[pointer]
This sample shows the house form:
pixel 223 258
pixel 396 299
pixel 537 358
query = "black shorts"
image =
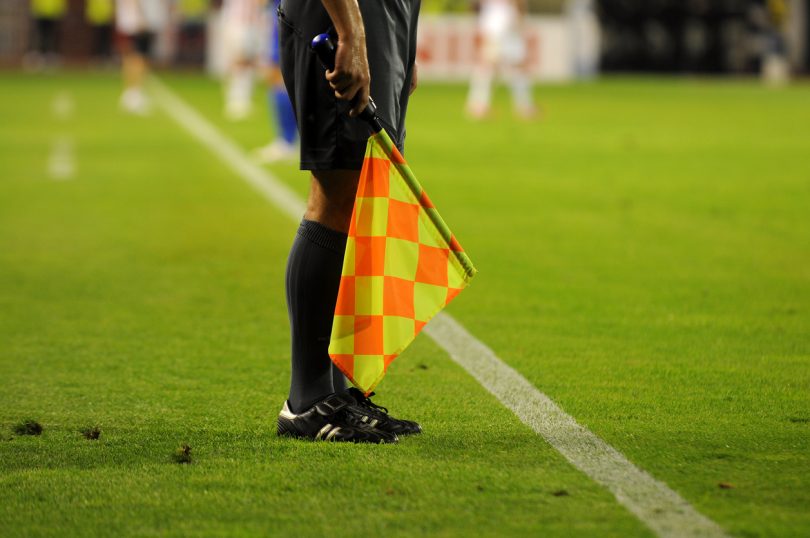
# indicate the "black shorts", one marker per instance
pixel 47 37
pixel 329 138
pixel 142 42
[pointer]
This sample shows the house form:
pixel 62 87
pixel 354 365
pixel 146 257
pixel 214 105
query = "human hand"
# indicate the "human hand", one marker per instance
pixel 350 79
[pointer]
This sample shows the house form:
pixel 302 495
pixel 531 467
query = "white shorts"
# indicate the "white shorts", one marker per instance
pixel 135 16
pixel 506 48
pixel 241 41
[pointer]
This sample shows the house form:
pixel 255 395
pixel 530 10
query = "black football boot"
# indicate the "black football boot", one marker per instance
pixel 377 416
pixel 334 418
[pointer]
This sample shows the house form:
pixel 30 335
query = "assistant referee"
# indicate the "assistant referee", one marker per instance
pixel 376 52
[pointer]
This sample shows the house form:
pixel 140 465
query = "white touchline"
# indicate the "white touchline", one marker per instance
pixel 63 106
pixel 652 501
pixel 279 194
pixel 62 162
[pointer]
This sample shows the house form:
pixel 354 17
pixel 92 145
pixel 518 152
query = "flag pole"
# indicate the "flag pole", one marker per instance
pixel 388 146
pixel 325 49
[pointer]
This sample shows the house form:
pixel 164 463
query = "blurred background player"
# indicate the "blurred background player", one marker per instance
pixel 241 25
pixel 99 15
pixel 775 65
pixel 283 147
pixel 191 32
pixel 137 22
pixel 47 15
pixel 502 52
pixel 583 25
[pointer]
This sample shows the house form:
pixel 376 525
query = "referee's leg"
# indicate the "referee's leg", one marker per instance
pixel 313 275
pixel 333 146
pixel 331 198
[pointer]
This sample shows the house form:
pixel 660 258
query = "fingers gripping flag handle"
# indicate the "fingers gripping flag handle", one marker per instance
pixel 325 49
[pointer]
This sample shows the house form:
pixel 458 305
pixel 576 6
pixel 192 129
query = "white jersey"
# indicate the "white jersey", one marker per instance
pixel 242 29
pixel 242 12
pixel 499 17
pixel 500 26
pixel 134 16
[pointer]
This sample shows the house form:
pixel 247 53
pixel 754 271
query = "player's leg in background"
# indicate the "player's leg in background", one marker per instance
pixel 516 72
pixel 239 90
pixel 282 118
pixel 34 59
pixel 102 43
pixel 134 69
pixel 49 46
pixel 279 106
pixel 46 21
pixel 44 42
pixel 479 96
pixel 241 39
pixel 521 87
pixel 99 15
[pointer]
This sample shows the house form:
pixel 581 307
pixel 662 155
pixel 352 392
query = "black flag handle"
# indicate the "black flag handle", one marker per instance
pixel 325 49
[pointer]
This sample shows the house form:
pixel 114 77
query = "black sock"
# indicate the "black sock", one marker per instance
pixel 313 280
pixel 339 381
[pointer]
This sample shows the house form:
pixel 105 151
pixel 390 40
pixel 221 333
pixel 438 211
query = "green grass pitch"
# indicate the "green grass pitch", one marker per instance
pixel 644 257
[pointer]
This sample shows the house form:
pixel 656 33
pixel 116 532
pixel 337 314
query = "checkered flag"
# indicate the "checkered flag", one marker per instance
pixel 402 266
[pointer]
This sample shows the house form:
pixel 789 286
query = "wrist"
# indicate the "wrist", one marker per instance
pixel 352 38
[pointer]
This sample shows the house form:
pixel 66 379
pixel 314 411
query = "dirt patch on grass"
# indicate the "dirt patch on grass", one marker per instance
pixel 91 433
pixel 182 454
pixel 28 427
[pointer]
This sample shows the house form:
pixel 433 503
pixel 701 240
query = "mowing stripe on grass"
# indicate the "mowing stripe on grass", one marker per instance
pixel 62 106
pixel 62 160
pixel 651 501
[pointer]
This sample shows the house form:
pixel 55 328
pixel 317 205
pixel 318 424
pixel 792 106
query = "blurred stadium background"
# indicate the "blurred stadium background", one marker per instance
pixel 644 253
pixel 695 36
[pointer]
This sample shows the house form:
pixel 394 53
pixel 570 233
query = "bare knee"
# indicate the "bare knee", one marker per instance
pixel 331 197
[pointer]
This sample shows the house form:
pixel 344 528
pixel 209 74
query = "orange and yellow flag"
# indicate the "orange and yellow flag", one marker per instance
pixel 402 266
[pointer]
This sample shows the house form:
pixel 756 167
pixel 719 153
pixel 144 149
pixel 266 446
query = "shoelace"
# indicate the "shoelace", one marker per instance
pixel 365 401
